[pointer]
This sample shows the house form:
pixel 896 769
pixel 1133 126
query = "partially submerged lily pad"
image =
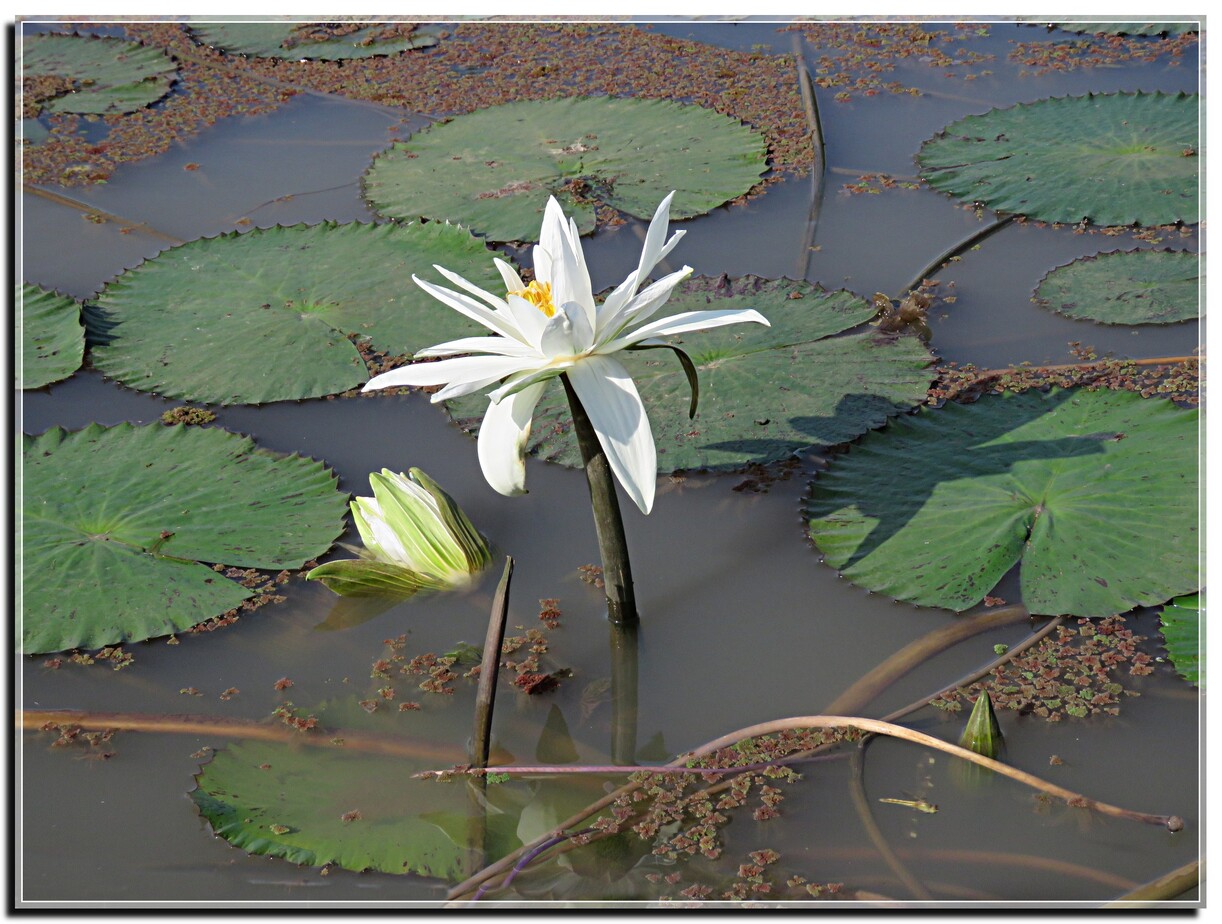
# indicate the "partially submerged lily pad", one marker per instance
pixel 1112 159
pixel 52 336
pixel 323 41
pixel 1184 635
pixel 495 168
pixel 271 315
pixel 1093 494
pixel 341 805
pixel 1126 287
pixel 765 392
pixel 121 523
pixel 1130 28
pixel 101 75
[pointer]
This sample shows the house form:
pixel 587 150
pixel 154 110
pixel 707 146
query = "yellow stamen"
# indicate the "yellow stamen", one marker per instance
pixel 538 294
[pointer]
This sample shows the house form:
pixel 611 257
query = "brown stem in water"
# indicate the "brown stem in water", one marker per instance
pixel 96 213
pixel 489 668
pixel 956 249
pixel 624 686
pixel 36 719
pixel 608 523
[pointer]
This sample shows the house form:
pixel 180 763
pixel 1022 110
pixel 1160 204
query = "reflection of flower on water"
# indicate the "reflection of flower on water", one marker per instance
pixel 416 538
pixel 553 326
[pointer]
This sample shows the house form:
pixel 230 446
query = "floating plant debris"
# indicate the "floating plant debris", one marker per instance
pixel 92 74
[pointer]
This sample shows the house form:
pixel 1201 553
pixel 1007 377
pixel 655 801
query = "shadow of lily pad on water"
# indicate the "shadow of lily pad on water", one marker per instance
pixel 52 336
pixel 765 392
pixel 100 75
pixel 1094 493
pixel 1112 159
pixel 1125 287
pixel 494 169
pixel 121 523
pixel 270 315
pixel 323 41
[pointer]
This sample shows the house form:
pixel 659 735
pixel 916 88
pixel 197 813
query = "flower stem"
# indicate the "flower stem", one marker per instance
pixel 612 544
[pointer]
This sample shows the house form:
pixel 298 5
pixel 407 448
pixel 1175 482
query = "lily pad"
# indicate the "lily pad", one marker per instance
pixel 1184 635
pixel 1126 287
pixel 1113 159
pixel 52 336
pixel 1093 494
pixel 495 168
pixel 270 315
pixel 343 806
pixel 323 41
pixel 118 522
pixel 765 392
pixel 108 75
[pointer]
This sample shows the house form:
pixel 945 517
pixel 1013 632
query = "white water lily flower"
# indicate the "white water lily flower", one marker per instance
pixel 553 326
pixel 416 538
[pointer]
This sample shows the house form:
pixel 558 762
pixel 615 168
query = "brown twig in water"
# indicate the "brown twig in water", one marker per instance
pixel 490 668
pixel 857 788
pixel 1174 883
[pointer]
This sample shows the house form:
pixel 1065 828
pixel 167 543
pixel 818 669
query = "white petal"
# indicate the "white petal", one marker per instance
pixel 502 346
pixel 523 380
pixel 645 304
pixel 610 398
pixel 496 304
pixel 528 319
pixel 459 370
pixel 557 336
pixel 513 282
pixel 465 305
pixel 582 332
pixel 502 440
pixel 684 323
pixel 552 236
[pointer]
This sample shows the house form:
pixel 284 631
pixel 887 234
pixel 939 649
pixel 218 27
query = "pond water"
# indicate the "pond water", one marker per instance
pixel 741 622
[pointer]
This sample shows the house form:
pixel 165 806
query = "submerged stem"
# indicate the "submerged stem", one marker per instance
pixel 608 523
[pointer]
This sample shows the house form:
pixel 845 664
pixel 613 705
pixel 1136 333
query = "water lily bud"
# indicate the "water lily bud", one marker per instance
pixel 983 734
pixel 416 538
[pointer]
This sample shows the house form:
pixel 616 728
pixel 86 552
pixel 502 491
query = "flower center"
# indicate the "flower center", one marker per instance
pixel 538 294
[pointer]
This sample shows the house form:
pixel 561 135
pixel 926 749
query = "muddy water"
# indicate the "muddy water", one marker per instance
pixel 741 623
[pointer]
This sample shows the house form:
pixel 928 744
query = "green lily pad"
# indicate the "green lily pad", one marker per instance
pixel 765 392
pixel 329 41
pixel 1114 159
pixel 118 520
pixel 109 75
pixel 52 336
pixel 1126 287
pixel 1184 635
pixel 270 315
pixel 1130 28
pixel 495 168
pixel 338 805
pixel 1094 493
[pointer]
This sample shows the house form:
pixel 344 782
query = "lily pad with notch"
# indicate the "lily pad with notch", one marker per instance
pixel 765 392
pixel 121 524
pixel 1092 494
pixel 494 168
pixel 1111 159
pixel 271 314
pixel 52 336
pixel 1126 287
pixel 99 75
pixel 323 41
